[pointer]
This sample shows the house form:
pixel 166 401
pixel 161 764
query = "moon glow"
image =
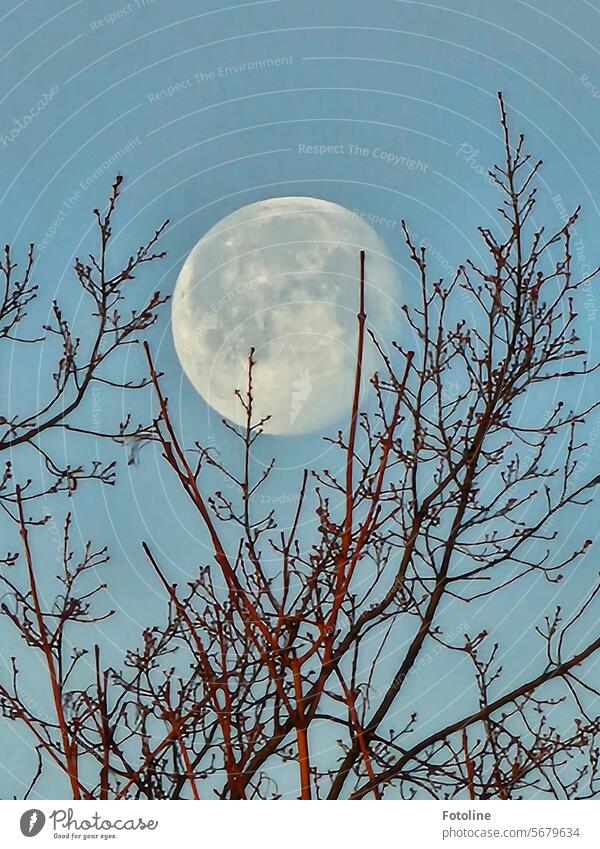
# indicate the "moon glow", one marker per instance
pixel 281 276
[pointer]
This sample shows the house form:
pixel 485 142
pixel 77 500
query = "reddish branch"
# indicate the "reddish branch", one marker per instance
pixel 451 489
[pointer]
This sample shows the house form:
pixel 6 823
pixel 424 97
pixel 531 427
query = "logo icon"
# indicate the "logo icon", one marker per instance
pixel 32 822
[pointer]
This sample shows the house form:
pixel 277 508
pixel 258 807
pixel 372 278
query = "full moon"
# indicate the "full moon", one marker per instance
pixel 281 276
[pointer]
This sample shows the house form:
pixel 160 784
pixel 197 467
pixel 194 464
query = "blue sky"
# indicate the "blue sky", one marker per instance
pixel 206 107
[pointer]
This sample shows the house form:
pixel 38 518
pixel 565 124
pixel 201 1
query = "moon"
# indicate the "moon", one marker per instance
pixel 281 276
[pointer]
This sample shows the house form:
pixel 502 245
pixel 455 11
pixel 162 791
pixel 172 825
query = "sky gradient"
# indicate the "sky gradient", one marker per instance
pixel 387 108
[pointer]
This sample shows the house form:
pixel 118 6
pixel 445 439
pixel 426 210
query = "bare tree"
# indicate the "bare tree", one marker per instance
pixel 81 367
pixel 80 364
pixel 289 639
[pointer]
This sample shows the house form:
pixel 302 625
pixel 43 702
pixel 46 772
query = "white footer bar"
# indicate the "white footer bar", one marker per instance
pixel 262 825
